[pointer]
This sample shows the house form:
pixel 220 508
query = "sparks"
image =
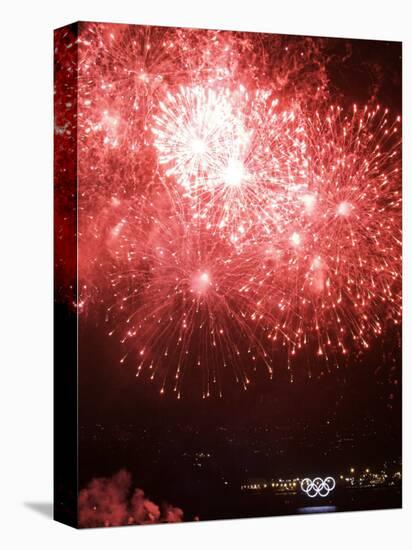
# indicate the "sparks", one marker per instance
pixel 229 222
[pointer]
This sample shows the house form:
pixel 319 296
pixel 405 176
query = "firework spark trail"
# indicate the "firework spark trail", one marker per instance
pixel 344 253
pixel 222 218
pixel 237 156
pixel 122 70
pixel 180 302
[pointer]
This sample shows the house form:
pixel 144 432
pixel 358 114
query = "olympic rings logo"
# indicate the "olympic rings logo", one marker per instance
pixel 318 487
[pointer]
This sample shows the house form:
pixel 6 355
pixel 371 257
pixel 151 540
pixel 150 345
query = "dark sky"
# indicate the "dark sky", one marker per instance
pixel 362 399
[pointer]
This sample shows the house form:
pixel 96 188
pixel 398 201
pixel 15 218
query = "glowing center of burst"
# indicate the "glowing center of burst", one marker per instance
pixel 234 173
pixel 295 239
pixel 344 208
pixel 198 146
pixel 201 282
pixel 317 263
pixel 309 202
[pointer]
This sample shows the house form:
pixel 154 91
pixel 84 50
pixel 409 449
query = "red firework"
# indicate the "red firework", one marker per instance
pixel 181 303
pixel 224 219
pixel 235 153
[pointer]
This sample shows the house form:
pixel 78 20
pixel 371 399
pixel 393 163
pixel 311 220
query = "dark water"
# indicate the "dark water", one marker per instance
pixel 247 505
pixel 317 509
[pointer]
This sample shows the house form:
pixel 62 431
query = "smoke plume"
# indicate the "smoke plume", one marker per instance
pixel 112 501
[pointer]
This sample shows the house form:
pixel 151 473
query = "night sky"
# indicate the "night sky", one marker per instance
pixel 312 417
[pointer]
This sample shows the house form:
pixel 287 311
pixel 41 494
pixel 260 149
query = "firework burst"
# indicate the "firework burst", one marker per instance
pixel 236 154
pixel 181 304
pixel 222 215
pixel 341 258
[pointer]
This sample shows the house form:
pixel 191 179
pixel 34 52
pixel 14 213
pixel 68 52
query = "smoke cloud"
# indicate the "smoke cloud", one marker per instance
pixel 107 502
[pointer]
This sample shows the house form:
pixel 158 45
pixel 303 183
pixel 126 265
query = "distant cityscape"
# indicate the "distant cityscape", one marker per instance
pixel 352 479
